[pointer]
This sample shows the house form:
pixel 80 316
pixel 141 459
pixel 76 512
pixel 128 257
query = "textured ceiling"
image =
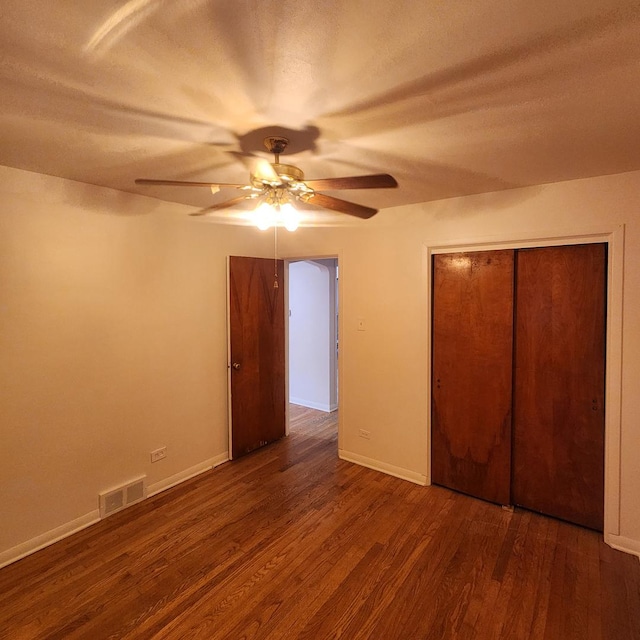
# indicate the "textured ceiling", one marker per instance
pixel 451 98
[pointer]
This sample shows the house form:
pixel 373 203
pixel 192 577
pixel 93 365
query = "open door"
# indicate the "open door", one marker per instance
pixel 256 353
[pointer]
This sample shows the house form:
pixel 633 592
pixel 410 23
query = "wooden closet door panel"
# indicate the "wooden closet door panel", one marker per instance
pixel 472 373
pixel 558 448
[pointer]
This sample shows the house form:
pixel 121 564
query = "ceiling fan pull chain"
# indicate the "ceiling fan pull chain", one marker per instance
pixel 275 256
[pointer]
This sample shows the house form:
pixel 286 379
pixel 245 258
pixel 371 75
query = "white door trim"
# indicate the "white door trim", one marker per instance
pixel 228 303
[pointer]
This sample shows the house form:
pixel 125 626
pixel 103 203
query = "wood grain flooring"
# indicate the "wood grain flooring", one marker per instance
pixel 291 542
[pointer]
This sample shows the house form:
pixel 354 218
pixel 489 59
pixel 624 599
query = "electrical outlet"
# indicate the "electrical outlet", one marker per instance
pixel 365 434
pixel 159 454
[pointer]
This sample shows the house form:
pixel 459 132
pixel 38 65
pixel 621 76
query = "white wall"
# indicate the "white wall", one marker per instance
pixel 384 280
pixel 112 343
pixel 312 336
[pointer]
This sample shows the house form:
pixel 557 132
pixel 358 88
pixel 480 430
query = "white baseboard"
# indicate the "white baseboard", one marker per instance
pixel 64 531
pixel 187 474
pixel 389 469
pixel 310 404
pixel 50 537
pixel 628 545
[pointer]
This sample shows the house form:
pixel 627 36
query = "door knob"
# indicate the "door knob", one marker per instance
pixel 236 366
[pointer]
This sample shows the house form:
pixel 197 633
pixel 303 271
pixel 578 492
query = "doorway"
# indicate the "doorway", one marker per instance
pixel 312 333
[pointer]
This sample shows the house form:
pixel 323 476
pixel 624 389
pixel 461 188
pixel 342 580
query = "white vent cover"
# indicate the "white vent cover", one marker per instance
pixel 134 492
pixel 122 497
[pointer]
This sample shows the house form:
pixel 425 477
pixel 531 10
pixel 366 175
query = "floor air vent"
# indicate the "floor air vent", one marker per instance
pixel 122 497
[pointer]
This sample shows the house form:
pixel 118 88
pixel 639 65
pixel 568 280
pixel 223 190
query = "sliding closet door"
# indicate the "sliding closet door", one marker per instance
pixel 472 373
pixel 558 447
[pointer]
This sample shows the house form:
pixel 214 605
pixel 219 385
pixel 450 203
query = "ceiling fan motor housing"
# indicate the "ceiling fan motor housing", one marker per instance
pixel 288 172
pixel 276 144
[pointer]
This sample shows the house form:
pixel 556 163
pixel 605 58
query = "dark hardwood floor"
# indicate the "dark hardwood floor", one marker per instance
pixel 290 542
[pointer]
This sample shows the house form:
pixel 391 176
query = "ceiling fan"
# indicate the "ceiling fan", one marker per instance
pixel 275 187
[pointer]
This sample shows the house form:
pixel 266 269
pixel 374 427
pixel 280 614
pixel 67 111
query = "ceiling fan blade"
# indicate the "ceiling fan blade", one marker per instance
pixel 376 181
pixel 350 208
pixel 182 183
pixel 221 205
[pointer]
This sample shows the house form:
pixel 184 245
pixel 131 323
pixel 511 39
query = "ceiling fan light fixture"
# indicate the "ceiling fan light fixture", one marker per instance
pixel 290 216
pixel 268 215
pixel 264 216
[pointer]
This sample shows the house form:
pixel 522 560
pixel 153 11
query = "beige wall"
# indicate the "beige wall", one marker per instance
pixel 112 343
pixel 112 336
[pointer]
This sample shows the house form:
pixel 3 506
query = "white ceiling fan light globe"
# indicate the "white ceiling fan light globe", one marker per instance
pixel 290 216
pixel 264 216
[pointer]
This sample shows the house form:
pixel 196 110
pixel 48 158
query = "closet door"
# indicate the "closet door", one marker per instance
pixel 558 447
pixel 472 373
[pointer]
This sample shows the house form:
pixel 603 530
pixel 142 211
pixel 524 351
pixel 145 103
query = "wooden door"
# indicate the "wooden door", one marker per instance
pixel 472 373
pixel 558 448
pixel 257 356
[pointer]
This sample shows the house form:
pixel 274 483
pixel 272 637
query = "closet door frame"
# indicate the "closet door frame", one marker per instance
pixel 614 238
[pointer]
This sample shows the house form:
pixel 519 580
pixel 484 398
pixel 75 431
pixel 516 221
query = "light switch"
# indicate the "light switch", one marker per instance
pixel 360 324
